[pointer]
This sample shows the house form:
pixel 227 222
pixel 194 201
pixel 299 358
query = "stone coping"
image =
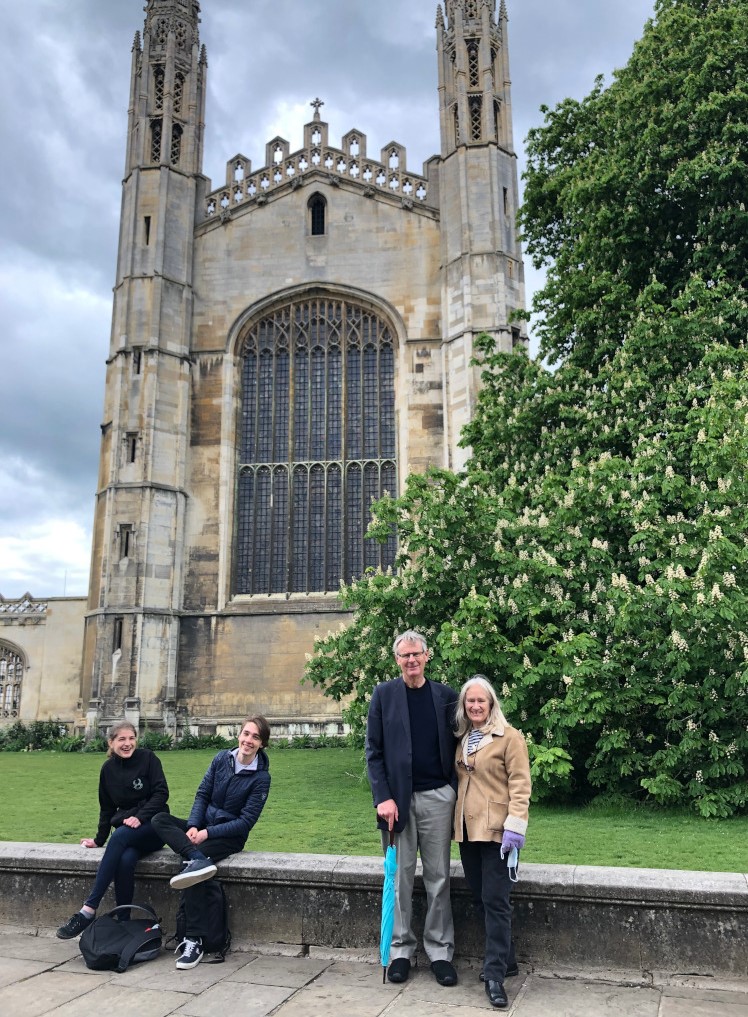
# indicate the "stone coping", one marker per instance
pixel 586 882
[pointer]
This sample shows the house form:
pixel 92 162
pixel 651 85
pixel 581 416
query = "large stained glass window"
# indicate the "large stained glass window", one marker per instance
pixel 316 447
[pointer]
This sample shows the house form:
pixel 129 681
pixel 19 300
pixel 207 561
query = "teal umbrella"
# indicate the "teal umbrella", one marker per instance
pixel 388 904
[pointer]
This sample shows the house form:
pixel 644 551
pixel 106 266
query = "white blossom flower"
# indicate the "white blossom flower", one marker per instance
pixel 678 641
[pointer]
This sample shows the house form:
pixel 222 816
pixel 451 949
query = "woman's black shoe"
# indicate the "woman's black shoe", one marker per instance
pixel 496 995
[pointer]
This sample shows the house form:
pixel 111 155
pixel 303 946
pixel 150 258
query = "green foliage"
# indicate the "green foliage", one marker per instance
pixel 70 743
pixel 96 744
pixel 642 181
pixel 216 742
pixel 592 559
pixel 39 734
pixel 156 741
pixel 322 741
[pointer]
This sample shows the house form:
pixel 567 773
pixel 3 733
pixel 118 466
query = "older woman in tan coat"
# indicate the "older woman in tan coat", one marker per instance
pixel 491 815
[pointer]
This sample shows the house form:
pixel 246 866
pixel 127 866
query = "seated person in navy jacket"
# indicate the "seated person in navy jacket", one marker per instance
pixel 228 803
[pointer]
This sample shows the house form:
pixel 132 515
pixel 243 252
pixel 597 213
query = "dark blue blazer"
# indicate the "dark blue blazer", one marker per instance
pixel 389 752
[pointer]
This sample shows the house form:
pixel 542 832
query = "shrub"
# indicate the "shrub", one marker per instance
pixel 156 741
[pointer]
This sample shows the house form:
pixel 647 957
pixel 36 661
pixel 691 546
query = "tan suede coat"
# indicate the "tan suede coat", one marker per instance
pixel 494 795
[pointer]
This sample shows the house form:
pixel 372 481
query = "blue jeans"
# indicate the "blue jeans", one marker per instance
pixel 124 849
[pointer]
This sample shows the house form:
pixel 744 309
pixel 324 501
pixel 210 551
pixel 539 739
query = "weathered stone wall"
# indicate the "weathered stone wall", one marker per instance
pixel 649 920
pixel 235 664
pixel 50 642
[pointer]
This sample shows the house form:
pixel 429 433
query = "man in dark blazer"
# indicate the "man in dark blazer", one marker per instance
pixel 410 752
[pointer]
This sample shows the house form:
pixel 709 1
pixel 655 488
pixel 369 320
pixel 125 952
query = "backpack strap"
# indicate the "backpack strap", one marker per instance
pixel 135 944
pixel 145 908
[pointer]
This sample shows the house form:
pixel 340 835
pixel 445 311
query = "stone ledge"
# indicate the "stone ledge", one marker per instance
pixel 684 923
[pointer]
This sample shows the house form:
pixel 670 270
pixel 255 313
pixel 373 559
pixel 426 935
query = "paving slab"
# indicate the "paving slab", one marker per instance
pixel 291 972
pixel 238 1000
pixel 545 997
pixel 334 998
pixel 121 999
pixel 163 974
pixel 42 948
pixel 44 977
pixel 14 970
pixel 695 1005
pixel 364 976
pixel 43 993
pixel 407 1007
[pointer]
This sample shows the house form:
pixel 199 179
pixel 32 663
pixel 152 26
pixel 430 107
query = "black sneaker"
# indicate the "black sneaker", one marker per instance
pixel 196 871
pixel 74 926
pixel 192 954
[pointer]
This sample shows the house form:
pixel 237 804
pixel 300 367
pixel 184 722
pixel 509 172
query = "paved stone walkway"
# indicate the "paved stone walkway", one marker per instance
pixel 41 975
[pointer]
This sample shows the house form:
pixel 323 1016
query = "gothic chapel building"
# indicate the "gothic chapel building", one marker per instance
pixel 285 347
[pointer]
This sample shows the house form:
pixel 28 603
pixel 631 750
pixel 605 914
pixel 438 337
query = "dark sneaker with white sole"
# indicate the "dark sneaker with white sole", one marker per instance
pixel 74 926
pixel 195 871
pixel 192 954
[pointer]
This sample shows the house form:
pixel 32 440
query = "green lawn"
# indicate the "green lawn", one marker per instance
pixel 320 803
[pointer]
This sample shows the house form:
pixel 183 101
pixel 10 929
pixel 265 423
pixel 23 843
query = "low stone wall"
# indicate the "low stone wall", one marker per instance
pixel 638 919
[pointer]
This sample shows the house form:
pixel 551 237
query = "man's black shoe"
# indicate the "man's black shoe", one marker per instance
pixel 444 973
pixel 399 970
pixel 511 972
pixel 496 995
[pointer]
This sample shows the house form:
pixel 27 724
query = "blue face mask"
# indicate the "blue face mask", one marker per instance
pixel 512 864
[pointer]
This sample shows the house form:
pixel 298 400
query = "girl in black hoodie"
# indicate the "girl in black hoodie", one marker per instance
pixel 132 789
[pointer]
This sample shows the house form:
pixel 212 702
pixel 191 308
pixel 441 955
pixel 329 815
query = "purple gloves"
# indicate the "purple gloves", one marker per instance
pixel 510 840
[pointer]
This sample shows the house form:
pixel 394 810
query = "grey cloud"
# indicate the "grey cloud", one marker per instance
pixel 65 75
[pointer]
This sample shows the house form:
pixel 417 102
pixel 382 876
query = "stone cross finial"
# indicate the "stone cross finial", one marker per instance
pixel 316 103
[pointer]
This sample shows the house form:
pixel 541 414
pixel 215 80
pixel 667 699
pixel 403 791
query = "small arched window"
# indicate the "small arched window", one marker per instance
pixel 317 205
pixel 156 128
pixel 158 88
pixel 176 144
pixel 11 673
pixel 178 93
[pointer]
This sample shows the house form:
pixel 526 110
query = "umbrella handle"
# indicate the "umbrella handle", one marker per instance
pixel 392 838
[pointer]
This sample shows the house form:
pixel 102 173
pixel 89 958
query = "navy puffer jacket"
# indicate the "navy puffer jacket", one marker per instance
pixel 228 804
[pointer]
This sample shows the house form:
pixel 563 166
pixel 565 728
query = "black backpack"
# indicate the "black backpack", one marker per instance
pixel 114 941
pixel 203 913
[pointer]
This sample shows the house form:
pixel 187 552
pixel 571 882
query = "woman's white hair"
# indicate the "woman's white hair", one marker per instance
pixel 496 719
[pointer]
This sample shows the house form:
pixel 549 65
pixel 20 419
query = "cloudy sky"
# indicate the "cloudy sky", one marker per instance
pixel 65 72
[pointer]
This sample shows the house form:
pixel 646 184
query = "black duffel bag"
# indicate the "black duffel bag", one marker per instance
pixel 114 941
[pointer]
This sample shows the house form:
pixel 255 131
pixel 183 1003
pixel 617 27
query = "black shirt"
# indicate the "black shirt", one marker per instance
pixel 427 770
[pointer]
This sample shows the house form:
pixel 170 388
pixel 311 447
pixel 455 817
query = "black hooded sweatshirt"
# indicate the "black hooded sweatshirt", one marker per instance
pixel 130 787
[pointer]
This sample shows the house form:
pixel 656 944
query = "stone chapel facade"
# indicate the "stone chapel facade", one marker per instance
pixel 285 347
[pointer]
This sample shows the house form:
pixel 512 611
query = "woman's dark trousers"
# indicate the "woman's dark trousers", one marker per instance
pixel 488 878
pixel 124 849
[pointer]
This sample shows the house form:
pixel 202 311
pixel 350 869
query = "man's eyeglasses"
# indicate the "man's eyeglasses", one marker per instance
pixel 408 656
pixel 465 766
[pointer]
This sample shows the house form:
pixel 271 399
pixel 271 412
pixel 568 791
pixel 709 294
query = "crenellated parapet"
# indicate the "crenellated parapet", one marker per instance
pixel 23 605
pixel 283 169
